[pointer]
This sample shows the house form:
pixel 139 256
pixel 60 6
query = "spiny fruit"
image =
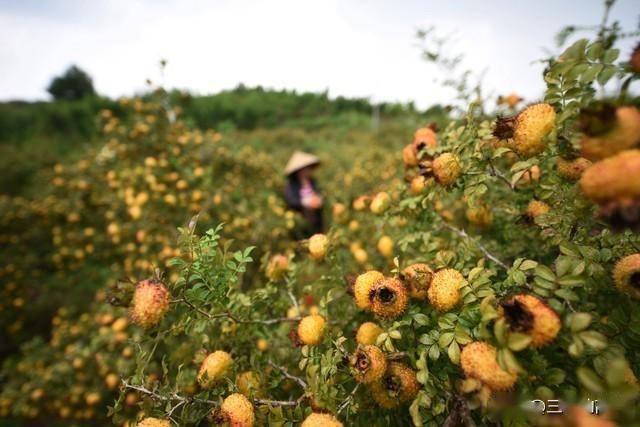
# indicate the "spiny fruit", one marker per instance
pixel 425 137
pixel 613 178
pixel 418 185
pixel 530 315
pixel 532 125
pixel 478 360
pixel 318 419
pixel 388 298
pixel 398 385
pixel 380 202
pixel 572 169
pixel 154 422
pixel 277 267
pixel 480 215
pixel 311 329
pixel 363 286
pixel 385 246
pixel 214 367
pixel 626 275
pixel 318 244
pixel 150 303
pixel 418 278
pixel 410 156
pixel 368 364
pixel 535 208
pixel 236 410
pixel 368 333
pixel 446 168
pixel 624 135
pixel 444 292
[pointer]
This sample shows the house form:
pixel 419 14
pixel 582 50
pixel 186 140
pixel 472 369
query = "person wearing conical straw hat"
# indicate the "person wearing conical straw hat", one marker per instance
pixel 301 192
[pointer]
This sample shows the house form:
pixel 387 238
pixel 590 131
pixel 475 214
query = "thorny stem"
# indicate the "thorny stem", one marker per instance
pixel 231 316
pixel 175 397
pixel 495 172
pixel 349 399
pixel 284 372
pixel 484 250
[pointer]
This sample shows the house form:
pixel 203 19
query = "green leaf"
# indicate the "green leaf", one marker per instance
pixel 590 380
pixel 421 319
pixel 594 339
pixel 606 74
pixel 434 352
pixel 579 321
pixel 567 294
pixel 591 73
pixel 545 272
pixel 454 353
pixel 575 51
pixel 445 339
pixel 518 341
pixel 611 55
pixel 528 264
pixel 594 51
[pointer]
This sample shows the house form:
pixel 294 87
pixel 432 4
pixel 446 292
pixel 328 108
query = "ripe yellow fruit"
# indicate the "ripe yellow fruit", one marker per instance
pixel 530 315
pixel 572 169
pixel 444 292
pixel 380 202
pixel 154 422
pixel 624 135
pixel 339 212
pixel 613 178
pixel 389 298
pixel 277 267
pixel 532 125
pixel 360 203
pixel 214 368
pixel 318 244
pixel 368 364
pixel 418 185
pixel 425 137
pixel 262 344
pixel 92 398
pixel 368 333
pixel 446 168
pixel 317 419
pixel 385 246
pixel 112 381
pixel 360 255
pixel 478 360
pixel 398 385
pixel 363 287
pixel 237 411
pixel 480 216
pixel 536 208
pixel 120 324
pixel 626 275
pixel 418 278
pixel 410 156
pixel 150 303
pixel 311 329
pixel 248 383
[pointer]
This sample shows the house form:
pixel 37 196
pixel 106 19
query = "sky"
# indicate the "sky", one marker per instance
pixel 354 48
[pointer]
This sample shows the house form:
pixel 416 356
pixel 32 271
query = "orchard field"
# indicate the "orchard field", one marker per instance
pixel 475 258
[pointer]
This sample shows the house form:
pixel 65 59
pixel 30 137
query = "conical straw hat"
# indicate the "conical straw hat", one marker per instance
pixel 300 160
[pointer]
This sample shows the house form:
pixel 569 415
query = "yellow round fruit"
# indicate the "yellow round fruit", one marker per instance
pixel 572 169
pixel 150 303
pixel 417 278
pixel 154 422
pixel 529 315
pixel 624 135
pixel 360 256
pixel 318 244
pixel 425 137
pixel 318 419
pixel 380 203
pixel 277 267
pixel 237 411
pixel 478 360
pixel 446 168
pixel 363 287
pixel 613 178
pixel 214 368
pixel 626 275
pixel 368 364
pixel 368 333
pixel 112 381
pixel 311 329
pixel 535 208
pixel 389 298
pixel 444 292
pixel 410 156
pixel 532 125
pixel 262 344
pixel 398 385
pixel 418 185
pixel 385 246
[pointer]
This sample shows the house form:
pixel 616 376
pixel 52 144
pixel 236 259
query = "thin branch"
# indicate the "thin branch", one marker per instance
pixel 349 399
pixel 274 403
pixel 397 355
pixel 482 249
pixel 284 372
pixel 231 316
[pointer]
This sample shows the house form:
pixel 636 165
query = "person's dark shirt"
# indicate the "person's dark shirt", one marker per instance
pixel 292 198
